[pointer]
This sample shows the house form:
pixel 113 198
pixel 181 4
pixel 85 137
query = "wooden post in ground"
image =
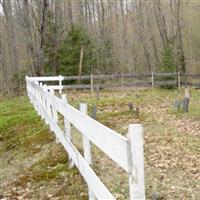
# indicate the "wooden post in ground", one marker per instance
pixel 97 91
pixel 67 126
pixel 87 149
pixel 91 83
pixel 179 80
pixel 122 80
pixel 152 80
pixel 136 175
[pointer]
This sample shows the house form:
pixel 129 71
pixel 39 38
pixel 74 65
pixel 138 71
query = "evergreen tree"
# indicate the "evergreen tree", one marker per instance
pixel 168 63
pixel 69 52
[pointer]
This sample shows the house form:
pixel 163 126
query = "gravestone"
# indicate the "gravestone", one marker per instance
pixel 134 110
pixel 137 112
pixel 94 112
pixel 177 105
pixel 130 107
pixel 186 100
pixel 183 105
pixel 155 196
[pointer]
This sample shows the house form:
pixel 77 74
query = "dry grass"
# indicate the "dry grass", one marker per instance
pixel 172 140
pixel 172 147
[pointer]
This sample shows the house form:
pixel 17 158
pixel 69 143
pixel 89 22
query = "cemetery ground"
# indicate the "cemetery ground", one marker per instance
pixel 33 166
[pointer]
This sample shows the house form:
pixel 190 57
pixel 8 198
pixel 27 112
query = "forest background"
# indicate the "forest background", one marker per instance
pixel 78 37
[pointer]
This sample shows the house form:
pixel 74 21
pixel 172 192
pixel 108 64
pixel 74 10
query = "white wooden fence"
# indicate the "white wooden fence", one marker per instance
pixel 127 152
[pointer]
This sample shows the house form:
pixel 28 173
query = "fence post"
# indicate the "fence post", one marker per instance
pixel 54 113
pixel 60 84
pixel 152 80
pixel 42 102
pixel 67 126
pixel 179 80
pixel 87 149
pixel 36 98
pixel 136 177
pixel 45 105
pixel 48 108
pixel 91 83
pixel 122 80
pixel 97 91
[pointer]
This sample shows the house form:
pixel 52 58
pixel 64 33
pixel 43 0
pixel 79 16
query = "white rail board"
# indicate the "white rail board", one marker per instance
pixel 55 87
pixel 110 142
pixel 46 78
pixel 126 152
pixel 93 181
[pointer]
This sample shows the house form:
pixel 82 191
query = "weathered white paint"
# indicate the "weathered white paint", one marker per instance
pixel 136 177
pixel 67 127
pixel 98 188
pixel 60 84
pixel 126 152
pixel 88 126
pixel 55 87
pixel 45 102
pixel 54 113
pixel 46 78
pixel 42 100
pixel 87 149
pixel 86 142
pixel 96 132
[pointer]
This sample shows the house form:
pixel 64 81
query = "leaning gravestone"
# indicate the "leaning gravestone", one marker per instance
pixel 186 100
pixel 183 105
pixel 134 110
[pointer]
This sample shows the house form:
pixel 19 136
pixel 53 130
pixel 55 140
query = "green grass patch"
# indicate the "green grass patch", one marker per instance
pixel 21 127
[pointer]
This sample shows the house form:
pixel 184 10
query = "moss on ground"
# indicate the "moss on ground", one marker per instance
pixel 30 159
pixel 171 146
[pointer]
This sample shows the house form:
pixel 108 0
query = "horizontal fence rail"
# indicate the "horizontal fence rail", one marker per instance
pixel 127 152
pixel 148 79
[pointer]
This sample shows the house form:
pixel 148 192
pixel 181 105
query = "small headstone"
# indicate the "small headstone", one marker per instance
pixel 185 105
pixel 94 112
pixel 177 105
pixel 134 110
pixel 155 196
pixel 137 112
pixel 130 107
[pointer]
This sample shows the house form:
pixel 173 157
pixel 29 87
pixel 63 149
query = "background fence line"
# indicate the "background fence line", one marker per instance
pixel 127 152
pixel 148 79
